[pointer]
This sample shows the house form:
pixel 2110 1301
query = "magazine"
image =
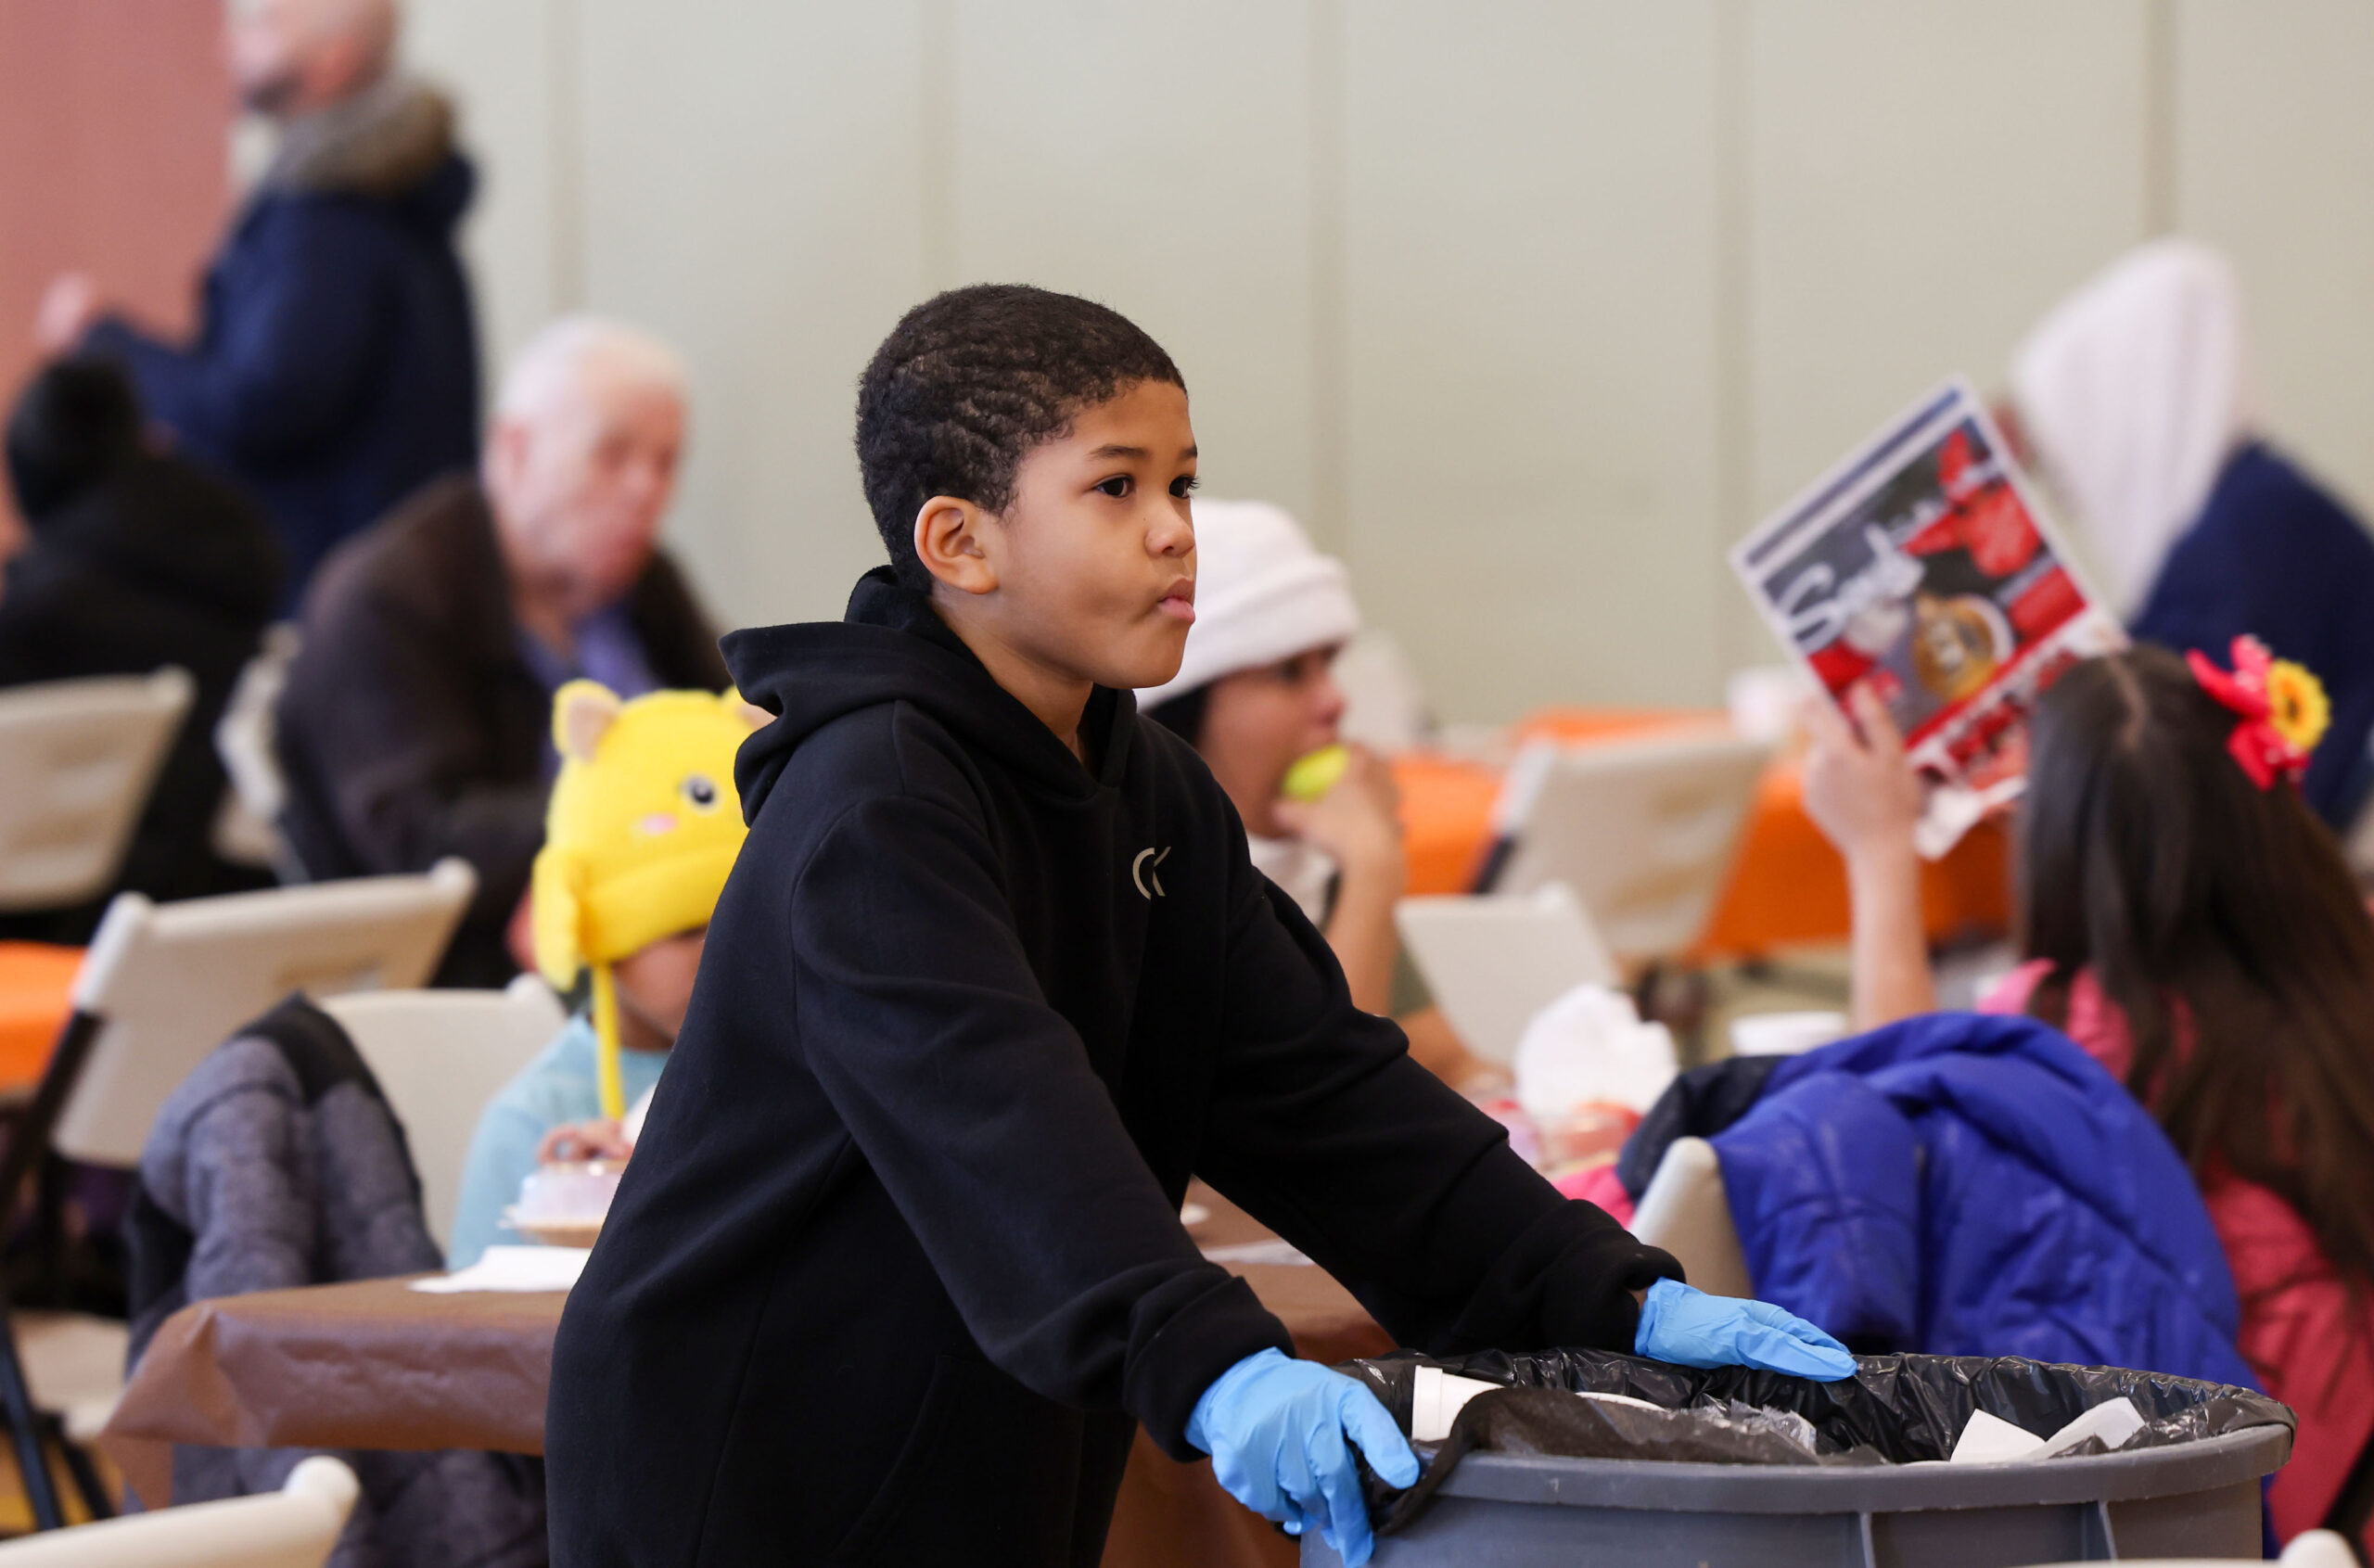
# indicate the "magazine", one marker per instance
pixel 1923 568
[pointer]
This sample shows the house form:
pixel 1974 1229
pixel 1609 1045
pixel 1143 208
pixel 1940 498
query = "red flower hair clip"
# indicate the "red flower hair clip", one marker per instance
pixel 2282 707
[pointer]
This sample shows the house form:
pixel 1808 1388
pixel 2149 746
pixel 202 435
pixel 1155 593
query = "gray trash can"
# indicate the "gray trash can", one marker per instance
pixel 2185 1499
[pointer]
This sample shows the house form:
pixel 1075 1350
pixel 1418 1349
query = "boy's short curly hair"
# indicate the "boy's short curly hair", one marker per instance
pixel 969 382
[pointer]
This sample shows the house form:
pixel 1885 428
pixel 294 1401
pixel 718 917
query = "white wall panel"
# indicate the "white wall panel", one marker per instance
pixel 753 190
pixel 499 60
pixel 1157 159
pixel 1925 181
pixel 1529 307
pixel 2274 163
pixel 1531 222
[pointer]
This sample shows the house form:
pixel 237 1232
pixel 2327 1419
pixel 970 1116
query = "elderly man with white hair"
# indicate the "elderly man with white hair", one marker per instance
pixel 335 367
pixel 417 719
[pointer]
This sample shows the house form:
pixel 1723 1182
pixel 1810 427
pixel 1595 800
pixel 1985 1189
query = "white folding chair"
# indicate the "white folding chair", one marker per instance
pixel 246 830
pixel 1687 1212
pixel 1493 960
pixel 295 1527
pixel 162 986
pixel 439 1056
pixel 1644 831
pixel 78 759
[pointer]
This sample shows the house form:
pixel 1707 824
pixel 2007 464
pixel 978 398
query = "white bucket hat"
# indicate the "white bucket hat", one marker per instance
pixel 2135 392
pixel 1262 594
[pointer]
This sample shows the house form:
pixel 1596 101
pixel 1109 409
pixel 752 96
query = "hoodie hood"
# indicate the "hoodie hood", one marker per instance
pixel 393 142
pixel 890 648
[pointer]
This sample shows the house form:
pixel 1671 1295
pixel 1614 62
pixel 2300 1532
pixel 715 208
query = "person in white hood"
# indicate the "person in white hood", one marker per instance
pixel 2133 398
pixel 1254 695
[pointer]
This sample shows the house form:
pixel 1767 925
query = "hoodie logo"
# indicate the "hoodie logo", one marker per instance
pixel 1142 873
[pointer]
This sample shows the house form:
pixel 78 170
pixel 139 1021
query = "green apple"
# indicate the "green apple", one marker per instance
pixel 1314 775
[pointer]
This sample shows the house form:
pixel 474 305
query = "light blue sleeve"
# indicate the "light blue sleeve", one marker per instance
pixel 557 1088
pixel 503 1153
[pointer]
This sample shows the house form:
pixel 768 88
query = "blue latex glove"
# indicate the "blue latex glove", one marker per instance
pixel 1692 1329
pixel 1275 1429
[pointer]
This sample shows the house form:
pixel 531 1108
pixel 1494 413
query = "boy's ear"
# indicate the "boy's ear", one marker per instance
pixel 583 713
pixel 951 542
pixel 750 713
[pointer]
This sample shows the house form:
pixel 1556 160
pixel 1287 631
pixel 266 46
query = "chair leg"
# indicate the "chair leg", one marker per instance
pixel 92 1490
pixel 25 1432
pixel 46 1239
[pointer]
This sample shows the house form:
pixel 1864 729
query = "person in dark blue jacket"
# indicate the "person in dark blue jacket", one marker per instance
pixel 2273 551
pixel 335 370
pixel 2133 395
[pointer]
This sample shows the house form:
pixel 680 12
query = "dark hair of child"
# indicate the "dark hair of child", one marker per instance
pixel 2222 921
pixel 1183 715
pixel 969 382
pixel 75 423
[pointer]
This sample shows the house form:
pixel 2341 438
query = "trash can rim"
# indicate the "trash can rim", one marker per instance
pixel 2174 1471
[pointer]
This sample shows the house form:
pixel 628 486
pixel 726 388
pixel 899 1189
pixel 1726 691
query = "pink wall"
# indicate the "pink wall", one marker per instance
pixel 113 124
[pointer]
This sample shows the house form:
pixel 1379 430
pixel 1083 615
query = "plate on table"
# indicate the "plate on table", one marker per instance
pixel 555 1231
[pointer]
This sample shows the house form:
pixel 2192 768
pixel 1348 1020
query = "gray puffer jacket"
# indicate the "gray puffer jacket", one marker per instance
pixel 277 1164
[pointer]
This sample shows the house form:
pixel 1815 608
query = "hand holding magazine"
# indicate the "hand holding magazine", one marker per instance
pixel 1922 569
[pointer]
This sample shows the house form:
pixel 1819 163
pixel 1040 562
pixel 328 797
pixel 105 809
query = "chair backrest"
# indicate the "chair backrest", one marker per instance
pixel 441 1057
pixel 1493 961
pixel 1687 1212
pixel 164 983
pixel 1384 708
pixel 247 739
pixel 78 759
pixel 1645 831
pixel 295 1527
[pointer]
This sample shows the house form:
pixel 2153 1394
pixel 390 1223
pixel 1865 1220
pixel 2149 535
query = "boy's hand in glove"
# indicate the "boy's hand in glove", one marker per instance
pixel 1691 1329
pixel 1276 1429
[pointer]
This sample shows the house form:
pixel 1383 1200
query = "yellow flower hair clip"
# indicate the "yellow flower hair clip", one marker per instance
pixel 2283 709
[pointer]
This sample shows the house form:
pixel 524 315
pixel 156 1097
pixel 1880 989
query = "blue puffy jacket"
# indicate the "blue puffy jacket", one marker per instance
pixel 1967 1185
pixel 335 369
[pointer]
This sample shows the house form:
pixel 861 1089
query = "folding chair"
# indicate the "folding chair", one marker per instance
pixel 1643 831
pixel 295 1527
pixel 439 1056
pixel 160 987
pixel 246 831
pixel 1493 961
pixel 1687 1212
pixel 1384 708
pixel 78 759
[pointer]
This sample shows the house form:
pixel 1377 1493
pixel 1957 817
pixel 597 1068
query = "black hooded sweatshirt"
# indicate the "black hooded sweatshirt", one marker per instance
pixel 897 1262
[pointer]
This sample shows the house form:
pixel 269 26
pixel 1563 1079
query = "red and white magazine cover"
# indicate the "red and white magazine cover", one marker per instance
pixel 1922 567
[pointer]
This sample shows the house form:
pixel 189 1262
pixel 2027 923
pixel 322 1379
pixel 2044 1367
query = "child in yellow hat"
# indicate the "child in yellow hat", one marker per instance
pixel 643 826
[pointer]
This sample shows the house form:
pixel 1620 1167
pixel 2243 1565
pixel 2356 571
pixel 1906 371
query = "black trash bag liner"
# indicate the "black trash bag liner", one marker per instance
pixel 1553 1422
pixel 1894 1410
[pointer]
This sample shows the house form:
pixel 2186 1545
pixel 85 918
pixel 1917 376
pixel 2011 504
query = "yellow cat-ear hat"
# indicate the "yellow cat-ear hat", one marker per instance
pixel 642 828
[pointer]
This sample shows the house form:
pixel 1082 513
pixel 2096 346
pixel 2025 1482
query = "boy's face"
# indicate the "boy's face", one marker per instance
pixel 1091 573
pixel 656 982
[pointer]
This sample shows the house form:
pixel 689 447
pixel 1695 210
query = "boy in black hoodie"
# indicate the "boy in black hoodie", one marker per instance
pixel 898 1264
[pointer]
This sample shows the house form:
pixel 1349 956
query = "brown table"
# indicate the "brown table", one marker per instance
pixel 373 1365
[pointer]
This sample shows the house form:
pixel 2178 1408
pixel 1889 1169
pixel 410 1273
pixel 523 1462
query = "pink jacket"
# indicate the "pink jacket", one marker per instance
pixel 2297 1318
